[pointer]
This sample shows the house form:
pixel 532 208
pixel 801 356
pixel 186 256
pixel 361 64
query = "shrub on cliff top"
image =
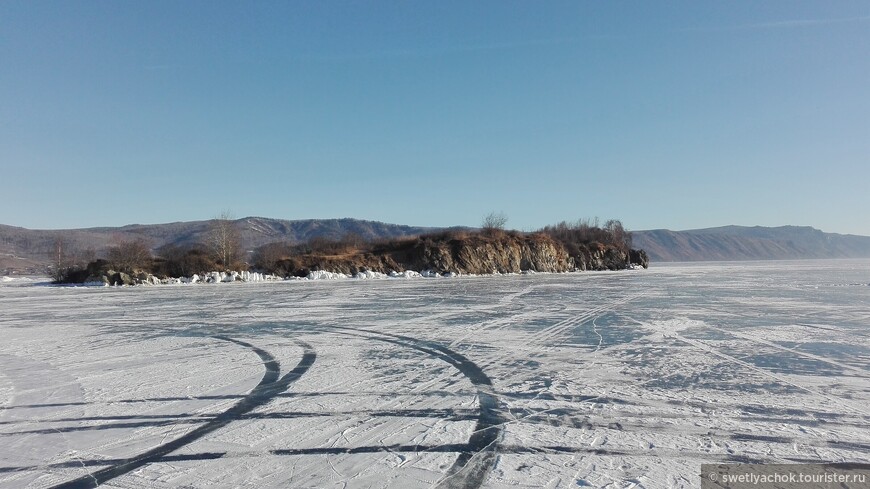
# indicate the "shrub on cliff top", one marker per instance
pixel 585 232
pixel 494 222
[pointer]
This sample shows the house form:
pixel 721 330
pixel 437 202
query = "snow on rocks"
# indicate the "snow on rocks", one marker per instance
pixel 258 277
pixel 405 274
pixel 96 283
pixel 324 275
pixel 368 275
pixel 209 278
pixel 215 277
pixel 224 277
pixel 7 280
pixel 191 280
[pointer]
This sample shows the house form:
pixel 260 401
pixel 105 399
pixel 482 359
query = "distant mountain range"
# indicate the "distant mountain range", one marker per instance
pixel 735 243
pixel 29 251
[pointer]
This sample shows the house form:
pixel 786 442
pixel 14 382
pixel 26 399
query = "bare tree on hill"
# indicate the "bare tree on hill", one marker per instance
pixel 494 221
pixel 225 241
pixel 67 257
pixel 129 255
pixel 59 259
pixel 618 234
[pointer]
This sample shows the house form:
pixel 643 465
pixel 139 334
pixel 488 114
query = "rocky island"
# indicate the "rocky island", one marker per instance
pixel 565 247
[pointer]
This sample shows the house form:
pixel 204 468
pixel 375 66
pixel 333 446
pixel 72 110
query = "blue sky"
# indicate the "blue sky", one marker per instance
pixel 665 115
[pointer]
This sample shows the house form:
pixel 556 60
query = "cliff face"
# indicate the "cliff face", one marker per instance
pixel 451 252
pixel 503 254
pixel 603 258
pixel 469 254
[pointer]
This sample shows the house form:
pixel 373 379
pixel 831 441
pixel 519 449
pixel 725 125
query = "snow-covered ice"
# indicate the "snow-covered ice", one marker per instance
pixel 7 280
pixel 595 379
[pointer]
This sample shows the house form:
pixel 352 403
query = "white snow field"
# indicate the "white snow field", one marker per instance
pixel 606 379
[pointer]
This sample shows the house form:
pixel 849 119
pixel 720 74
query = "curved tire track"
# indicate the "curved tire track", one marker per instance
pixel 476 458
pixel 269 387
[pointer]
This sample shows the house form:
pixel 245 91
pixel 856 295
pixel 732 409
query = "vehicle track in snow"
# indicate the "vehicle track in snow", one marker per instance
pixel 476 458
pixel 269 387
pixel 479 455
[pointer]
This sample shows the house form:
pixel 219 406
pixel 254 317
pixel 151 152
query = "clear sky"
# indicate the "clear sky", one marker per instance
pixel 662 114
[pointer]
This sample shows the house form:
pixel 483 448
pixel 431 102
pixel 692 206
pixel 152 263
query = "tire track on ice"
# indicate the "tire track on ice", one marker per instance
pixel 268 388
pixel 760 341
pixel 712 351
pixel 536 341
pixel 506 300
pixel 471 469
pixel 476 458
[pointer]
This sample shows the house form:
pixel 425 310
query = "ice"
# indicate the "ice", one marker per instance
pixel 406 274
pixel 18 281
pixel 324 275
pixel 368 275
pixel 610 379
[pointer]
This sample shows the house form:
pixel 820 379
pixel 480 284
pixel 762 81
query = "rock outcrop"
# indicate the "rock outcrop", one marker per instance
pixel 101 272
pixel 446 253
pixel 639 257
pixel 469 253
pixel 503 253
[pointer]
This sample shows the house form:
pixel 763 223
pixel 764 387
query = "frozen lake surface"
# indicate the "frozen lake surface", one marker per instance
pixel 628 379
